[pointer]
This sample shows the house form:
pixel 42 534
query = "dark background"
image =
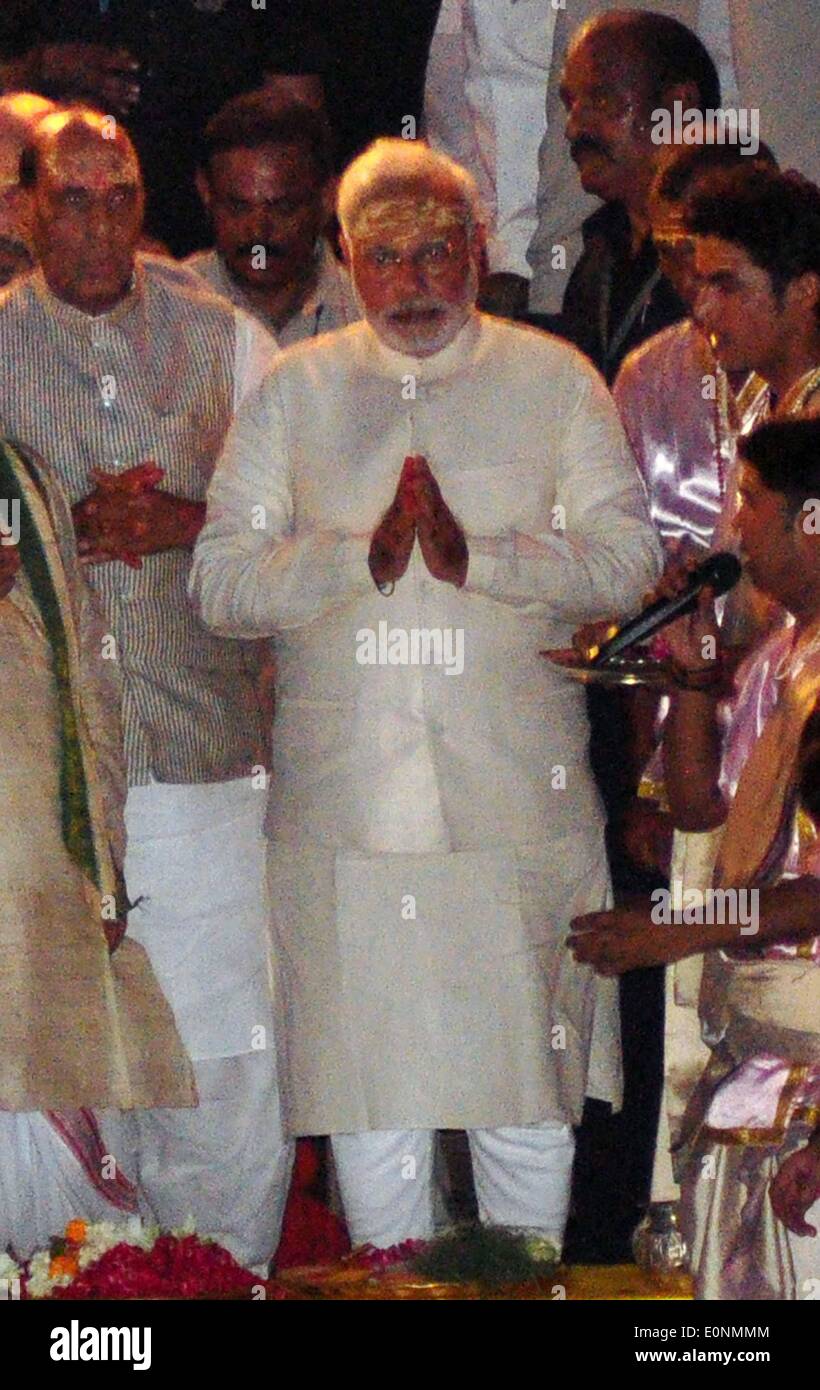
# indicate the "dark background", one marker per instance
pixel 373 53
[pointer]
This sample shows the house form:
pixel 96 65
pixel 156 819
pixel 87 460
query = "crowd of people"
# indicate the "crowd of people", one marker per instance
pixel 266 503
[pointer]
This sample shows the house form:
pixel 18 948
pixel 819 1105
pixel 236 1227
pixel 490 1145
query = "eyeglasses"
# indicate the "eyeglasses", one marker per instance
pixel 433 258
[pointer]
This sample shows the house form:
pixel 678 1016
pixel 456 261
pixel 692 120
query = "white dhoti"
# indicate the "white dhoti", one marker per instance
pixel 196 856
pixel 685 1053
pixel 43 1185
pixel 522 1179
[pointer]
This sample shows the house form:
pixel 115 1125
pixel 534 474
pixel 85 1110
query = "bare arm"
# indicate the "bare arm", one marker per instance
pixel 691 760
pixel 628 938
pixel 691 736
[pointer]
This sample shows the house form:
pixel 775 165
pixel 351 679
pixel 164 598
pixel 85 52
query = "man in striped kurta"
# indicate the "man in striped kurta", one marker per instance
pixel 126 382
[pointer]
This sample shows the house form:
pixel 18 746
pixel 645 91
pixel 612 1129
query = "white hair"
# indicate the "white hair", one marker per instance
pixel 389 168
pixel 20 112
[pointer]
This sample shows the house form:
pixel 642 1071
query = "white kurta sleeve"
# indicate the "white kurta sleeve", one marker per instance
pixel 252 573
pixel 600 553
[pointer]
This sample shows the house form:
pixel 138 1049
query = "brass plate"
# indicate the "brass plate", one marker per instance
pixel 634 670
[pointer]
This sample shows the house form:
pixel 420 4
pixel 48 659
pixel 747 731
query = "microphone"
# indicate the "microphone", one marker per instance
pixel 720 572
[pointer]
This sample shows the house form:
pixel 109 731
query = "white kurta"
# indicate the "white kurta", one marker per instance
pixel 432 832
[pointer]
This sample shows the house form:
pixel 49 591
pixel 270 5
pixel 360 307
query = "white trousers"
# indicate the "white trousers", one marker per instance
pixel 224 1166
pixel 197 857
pixel 522 1178
pixel 229 1177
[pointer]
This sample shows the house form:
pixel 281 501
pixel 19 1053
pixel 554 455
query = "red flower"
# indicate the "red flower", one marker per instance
pixel 175 1267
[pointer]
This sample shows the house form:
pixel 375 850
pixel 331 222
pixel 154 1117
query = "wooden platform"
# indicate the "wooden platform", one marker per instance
pixel 595 1283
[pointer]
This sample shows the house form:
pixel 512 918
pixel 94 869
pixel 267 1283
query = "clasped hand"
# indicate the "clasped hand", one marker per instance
pixel 127 516
pixel 418 509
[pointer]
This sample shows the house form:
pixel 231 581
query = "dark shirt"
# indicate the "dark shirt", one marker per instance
pixel 614 299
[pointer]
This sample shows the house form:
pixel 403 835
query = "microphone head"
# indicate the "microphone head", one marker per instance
pixel 721 572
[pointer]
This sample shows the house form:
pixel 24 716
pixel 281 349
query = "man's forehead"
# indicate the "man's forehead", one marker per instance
pixel 81 156
pixel 408 217
pixel 290 163
pixel 713 254
pixel 608 60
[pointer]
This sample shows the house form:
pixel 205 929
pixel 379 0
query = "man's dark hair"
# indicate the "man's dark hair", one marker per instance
pixel 786 455
pixel 671 52
pixel 248 122
pixel 694 161
pixel 774 217
pixel 300 49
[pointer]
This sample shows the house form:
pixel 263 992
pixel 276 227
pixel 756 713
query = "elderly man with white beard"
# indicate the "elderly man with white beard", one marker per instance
pixel 432 830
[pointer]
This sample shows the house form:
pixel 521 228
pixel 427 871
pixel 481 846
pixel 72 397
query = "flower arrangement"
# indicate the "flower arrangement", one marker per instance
pixel 488 1257
pixel 11 1274
pixel 378 1258
pixel 133 1260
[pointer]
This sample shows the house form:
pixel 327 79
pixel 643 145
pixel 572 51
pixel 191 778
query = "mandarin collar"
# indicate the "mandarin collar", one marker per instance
pixel 441 365
pixel 77 321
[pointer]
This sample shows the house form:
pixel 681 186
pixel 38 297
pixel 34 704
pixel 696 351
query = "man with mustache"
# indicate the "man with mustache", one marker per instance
pixel 562 204
pixel 266 179
pixel 621 68
pixel 430 468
